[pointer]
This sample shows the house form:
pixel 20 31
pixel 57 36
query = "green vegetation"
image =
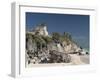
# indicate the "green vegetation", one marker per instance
pixel 38 40
pixel 47 39
pixel 42 41
pixel 57 37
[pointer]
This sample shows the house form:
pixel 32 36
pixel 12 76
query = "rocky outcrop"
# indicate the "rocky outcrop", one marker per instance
pixel 59 57
pixel 44 48
pixel 47 57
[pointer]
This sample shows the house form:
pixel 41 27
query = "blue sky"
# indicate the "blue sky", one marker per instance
pixel 76 25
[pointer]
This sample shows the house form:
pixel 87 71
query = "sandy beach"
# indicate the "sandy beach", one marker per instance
pixel 79 59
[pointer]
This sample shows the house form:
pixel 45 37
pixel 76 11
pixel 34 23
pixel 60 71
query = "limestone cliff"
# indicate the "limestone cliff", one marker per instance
pixel 42 47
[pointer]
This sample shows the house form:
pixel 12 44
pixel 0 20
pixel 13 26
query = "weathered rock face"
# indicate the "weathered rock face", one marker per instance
pixel 64 47
pixel 47 57
pixel 58 57
pixel 30 45
pixel 41 29
pixel 41 48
